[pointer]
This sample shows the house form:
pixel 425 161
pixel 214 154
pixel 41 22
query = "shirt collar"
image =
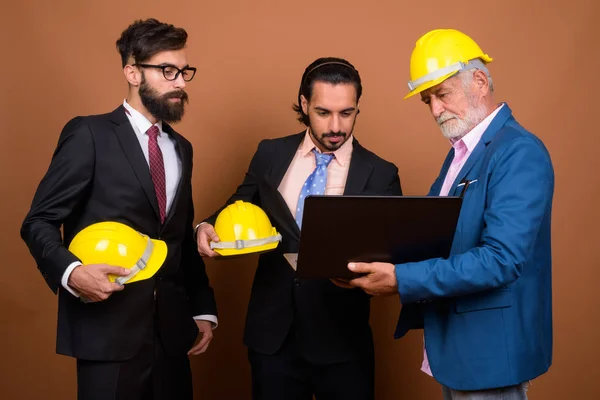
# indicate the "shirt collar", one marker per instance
pixel 342 155
pixel 140 121
pixel 472 138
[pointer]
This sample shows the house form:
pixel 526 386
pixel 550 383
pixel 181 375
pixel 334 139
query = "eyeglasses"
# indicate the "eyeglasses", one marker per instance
pixel 171 72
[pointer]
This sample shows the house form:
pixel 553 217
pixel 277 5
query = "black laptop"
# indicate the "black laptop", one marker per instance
pixel 395 229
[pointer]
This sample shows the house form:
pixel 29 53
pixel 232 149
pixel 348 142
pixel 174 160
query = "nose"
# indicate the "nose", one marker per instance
pixel 334 123
pixel 436 107
pixel 179 83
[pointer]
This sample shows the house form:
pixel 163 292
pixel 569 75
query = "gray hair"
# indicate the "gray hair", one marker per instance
pixel 466 77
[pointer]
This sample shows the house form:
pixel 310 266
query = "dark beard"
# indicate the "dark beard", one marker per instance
pixel 330 146
pixel 159 105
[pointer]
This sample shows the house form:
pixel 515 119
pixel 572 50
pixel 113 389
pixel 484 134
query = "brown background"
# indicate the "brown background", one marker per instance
pixel 58 61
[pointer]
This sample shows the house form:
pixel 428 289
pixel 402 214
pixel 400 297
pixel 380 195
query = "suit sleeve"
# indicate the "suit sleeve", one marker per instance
pixel 248 189
pixel 519 195
pixel 60 191
pixel 200 293
pixel 394 188
pixel 198 288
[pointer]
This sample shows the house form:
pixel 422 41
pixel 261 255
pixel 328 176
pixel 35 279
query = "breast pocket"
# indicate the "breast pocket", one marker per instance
pixel 498 298
pixel 467 186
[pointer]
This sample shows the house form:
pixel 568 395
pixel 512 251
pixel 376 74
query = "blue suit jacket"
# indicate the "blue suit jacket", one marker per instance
pixel 487 309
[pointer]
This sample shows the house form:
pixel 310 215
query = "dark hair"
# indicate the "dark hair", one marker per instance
pixel 330 70
pixel 144 38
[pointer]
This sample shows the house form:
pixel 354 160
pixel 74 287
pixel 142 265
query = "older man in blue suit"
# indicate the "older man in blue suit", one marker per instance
pixel 487 309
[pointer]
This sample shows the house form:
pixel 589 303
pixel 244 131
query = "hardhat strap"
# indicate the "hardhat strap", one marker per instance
pixel 140 264
pixel 457 67
pixel 242 244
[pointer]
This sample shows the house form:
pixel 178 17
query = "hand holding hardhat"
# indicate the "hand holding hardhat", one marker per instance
pixel 113 254
pixel 92 281
pixel 241 228
pixel 206 234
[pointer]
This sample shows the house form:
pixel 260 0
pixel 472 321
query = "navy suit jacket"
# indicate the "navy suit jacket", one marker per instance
pixel 487 309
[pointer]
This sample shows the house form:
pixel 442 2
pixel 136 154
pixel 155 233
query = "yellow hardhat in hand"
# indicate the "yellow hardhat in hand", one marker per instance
pixel 117 244
pixel 244 228
pixel 440 54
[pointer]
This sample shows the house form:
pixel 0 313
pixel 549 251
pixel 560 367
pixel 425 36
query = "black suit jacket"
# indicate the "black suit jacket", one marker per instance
pixel 331 323
pixel 99 173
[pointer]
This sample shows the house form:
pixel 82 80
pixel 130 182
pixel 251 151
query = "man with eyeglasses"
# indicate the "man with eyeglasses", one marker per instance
pixel 129 166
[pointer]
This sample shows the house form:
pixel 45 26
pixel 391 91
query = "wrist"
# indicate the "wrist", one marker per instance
pixel 72 281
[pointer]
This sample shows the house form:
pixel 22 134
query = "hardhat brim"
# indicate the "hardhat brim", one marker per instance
pixel 230 253
pixel 485 59
pixel 156 260
pixel 428 85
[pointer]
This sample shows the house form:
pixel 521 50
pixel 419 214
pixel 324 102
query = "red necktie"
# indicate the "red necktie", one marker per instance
pixel 157 170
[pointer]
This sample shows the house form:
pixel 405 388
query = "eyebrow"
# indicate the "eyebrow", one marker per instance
pixel 344 110
pixel 173 65
pixel 435 92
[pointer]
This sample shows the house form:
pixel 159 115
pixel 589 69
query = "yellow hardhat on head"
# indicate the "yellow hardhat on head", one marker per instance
pixel 440 54
pixel 244 228
pixel 117 244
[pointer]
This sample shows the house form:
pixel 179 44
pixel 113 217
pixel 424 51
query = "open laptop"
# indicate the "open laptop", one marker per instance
pixel 395 229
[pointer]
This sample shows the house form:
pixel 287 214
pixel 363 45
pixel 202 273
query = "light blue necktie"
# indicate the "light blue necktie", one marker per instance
pixel 315 183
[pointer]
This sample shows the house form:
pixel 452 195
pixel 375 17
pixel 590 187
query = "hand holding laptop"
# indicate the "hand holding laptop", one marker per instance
pixel 379 279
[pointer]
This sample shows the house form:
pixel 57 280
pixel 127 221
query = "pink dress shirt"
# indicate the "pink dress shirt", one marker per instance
pixel 303 165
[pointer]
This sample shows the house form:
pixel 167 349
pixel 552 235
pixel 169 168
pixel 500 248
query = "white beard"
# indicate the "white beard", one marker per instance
pixel 456 127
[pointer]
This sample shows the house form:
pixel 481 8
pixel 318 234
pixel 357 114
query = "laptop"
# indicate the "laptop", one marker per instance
pixel 395 229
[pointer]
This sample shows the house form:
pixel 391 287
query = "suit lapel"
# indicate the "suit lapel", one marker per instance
pixel 359 170
pixel 186 169
pixel 491 131
pixel 471 161
pixel 132 149
pixel 437 185
pixel 282 159
pixel 278 167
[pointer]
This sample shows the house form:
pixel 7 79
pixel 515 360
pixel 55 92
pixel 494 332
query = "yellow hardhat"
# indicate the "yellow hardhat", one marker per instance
pixel 117 244
pixel 244 228
pixel 440 54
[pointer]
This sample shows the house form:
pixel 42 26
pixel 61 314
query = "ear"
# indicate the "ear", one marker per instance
pixel 481 81
pixel 304 104
pixel 133 75
pixel 357 108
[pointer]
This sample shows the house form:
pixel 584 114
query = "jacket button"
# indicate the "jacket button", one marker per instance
pixel 297 282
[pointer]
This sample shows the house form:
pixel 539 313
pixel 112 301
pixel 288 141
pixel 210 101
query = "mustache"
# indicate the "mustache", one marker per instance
pixel 176 94
pixel 445 116
pixel 334 134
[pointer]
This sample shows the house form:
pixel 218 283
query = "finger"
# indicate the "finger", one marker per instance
pixel 205 250
pixel 99 296
pixel 88 298
pixel 111 269
pixel 212 253
pixel 341 283
pixel 115 287
pixel 196 350
pixel 207 232
pixel 204 348
pixel 361 282
pixel 212 234
pixel 361 268
pixel 201 346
